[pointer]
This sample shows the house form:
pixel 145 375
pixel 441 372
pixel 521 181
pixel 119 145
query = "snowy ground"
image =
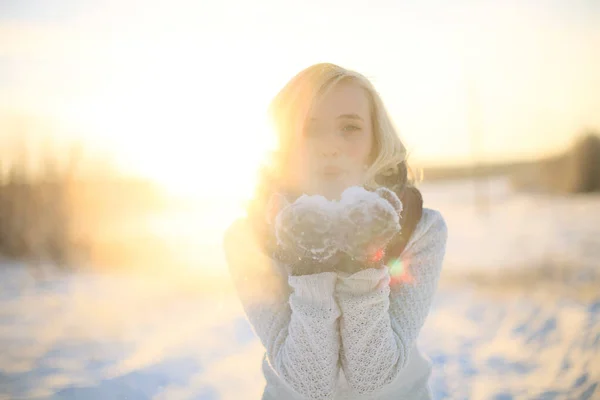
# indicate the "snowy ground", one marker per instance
pixel 517 316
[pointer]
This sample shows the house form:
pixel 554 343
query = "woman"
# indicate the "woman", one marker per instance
pixel 337 262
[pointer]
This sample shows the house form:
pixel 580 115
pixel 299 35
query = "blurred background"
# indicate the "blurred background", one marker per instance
pixel 130 136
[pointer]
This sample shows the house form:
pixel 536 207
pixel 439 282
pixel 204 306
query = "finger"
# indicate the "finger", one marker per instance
pixel 390 197
pixel 277 202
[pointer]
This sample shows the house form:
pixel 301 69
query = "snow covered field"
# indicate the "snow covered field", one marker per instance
pixel 517 316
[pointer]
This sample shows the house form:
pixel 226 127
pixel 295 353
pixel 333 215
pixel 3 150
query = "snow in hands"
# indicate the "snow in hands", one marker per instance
pixel 360 223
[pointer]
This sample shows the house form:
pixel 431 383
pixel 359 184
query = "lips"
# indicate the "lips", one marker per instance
pixel 331 170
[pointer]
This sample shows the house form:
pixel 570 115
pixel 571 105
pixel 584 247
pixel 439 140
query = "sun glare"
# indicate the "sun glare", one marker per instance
pixel 184 135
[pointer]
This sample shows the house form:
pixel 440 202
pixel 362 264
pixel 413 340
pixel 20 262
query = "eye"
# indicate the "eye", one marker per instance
pixel 351 128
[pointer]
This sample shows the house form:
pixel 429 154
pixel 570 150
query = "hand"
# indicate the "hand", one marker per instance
pixel 368 221
pixel 304 233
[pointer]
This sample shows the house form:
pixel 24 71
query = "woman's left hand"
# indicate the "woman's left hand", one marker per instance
pixel 369 220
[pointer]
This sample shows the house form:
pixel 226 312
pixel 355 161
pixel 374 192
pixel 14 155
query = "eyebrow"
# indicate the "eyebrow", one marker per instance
pixel 350 116
pixel 342 116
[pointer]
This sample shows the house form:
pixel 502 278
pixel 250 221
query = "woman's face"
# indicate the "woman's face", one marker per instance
pixel 335 145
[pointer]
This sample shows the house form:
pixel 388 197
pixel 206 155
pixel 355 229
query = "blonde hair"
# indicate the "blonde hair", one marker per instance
pixel 290 107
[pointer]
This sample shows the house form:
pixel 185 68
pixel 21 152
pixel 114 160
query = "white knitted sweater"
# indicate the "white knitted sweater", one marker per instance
pixel 340 336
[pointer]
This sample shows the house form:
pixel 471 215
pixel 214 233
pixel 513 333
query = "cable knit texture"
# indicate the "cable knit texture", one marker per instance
pixel 299 328
pixel 340 335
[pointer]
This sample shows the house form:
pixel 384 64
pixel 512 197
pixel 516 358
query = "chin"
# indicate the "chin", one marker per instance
pixel 332 195
pixel 331 191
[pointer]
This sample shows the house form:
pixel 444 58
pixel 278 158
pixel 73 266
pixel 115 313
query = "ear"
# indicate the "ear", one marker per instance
pixel 391 198
pixel 277 202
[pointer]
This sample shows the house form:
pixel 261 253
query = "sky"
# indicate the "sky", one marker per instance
pixel 178 89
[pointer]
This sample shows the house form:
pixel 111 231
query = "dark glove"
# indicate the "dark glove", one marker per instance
pixel 304 231
pixel 368 221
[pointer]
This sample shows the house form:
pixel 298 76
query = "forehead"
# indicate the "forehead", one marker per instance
pixel 343 98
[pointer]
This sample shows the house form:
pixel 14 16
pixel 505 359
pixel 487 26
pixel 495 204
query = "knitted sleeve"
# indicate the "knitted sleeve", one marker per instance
pixel 381 321
pixel 295 317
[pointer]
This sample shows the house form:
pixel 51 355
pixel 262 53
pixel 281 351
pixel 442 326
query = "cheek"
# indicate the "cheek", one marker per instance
pixel 298 168
pixel 360 150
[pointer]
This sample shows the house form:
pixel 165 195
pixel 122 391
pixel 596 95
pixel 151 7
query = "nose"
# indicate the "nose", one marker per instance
pixel 330 146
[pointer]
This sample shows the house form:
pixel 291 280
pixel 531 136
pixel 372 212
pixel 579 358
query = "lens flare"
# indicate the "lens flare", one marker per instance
pixel 399 273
